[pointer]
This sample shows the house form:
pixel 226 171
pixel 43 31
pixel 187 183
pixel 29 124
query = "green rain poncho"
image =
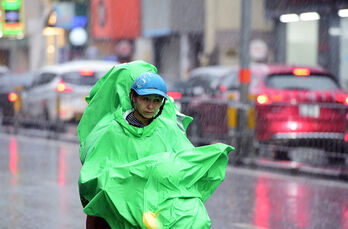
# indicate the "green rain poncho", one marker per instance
pixel 131 176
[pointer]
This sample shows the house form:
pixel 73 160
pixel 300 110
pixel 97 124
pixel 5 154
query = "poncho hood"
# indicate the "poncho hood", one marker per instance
pixel 111 94
pixel 128 172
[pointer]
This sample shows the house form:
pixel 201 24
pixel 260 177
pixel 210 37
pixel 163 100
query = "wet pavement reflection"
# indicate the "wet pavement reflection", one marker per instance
pixel 38 180
pixel 266 200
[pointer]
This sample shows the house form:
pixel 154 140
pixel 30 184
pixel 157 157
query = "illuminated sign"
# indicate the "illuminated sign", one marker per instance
pixel 11 4
pixel 12 16
pixel 276 8
pixel 12 24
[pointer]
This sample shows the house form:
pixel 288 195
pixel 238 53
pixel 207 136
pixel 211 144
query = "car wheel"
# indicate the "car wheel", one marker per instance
pixel 1 117
pixel 46 122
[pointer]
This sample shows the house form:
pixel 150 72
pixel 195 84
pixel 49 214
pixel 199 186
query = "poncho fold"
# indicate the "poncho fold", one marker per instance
pixel 128 172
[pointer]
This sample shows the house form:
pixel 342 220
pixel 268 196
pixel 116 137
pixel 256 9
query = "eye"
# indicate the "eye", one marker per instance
pixel 146 99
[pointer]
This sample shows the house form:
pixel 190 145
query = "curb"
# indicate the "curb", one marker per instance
pixel 292 167
pixel 69 137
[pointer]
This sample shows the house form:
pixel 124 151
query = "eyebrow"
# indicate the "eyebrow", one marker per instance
pixel 153 96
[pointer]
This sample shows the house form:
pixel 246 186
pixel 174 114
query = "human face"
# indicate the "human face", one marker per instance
pixel 146 106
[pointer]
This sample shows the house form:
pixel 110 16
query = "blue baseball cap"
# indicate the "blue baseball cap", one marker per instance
pixel 150 83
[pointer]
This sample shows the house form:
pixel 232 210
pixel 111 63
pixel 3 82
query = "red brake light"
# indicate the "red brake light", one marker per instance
pixel 277 97
pixel 222 88
pixel 86 72
pixel 174 94
pixel 263 99
pixel 342 99
pixel 12 97
pixel 301 72
pixel 62 87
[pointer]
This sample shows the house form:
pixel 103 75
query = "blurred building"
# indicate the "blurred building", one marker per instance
pixel 13 44
pixel 23 46
pixel 114 27
pixel 43 33
pixel 311 32
pixel 222 32
pixel 174 31
pixel 175 35
pixel 179 35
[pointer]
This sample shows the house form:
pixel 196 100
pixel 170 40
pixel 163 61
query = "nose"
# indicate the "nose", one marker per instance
pixel 150 104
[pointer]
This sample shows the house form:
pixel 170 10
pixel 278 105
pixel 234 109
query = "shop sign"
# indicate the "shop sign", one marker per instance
pixel 12 20
pixel 65 13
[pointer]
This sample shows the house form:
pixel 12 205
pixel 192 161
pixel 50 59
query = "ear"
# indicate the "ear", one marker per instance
pixel 132 96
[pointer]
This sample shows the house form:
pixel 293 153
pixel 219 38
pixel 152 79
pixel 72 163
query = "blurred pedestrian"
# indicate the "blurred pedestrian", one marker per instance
pixel 139 169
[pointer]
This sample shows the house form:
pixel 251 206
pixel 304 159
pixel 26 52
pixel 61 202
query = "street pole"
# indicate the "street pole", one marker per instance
pixel 244 79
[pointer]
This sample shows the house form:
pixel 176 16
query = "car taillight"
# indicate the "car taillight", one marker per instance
pixel 301 72
pixel 62 87
pixel 222 88
pixel 342 99
pixel 86 72
pixel 174 94
pixel 263 99
pixel 12 96
pixel 277 98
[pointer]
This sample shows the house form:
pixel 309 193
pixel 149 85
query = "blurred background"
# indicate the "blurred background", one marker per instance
pixel 224 61
pixel 176 36
pixel 268 77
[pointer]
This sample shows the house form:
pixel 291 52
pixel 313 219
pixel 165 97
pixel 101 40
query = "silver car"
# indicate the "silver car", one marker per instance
pixel 59 91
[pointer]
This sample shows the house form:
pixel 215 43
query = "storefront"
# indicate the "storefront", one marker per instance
pixel 13 45
pixel 114 27
pixel 310 32
pixel 175 29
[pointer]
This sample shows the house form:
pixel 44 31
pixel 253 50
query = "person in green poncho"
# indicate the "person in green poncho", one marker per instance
pixel 139 169
pixel 148 94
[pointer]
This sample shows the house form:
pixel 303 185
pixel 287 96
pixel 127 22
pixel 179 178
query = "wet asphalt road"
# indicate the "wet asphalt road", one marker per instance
pixel 38 189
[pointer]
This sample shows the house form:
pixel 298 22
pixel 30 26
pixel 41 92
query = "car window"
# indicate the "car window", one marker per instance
pixel 100 74
pixel 230 81
pixel 80 79
pixel 254 81
pixel 208 82
pixel 44 78
pixel 200 84
pixel 291 82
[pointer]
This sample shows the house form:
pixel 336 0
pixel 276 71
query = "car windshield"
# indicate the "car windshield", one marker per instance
pixel 291 82
pixel 77 78
pixel 208 82
pixel 230 81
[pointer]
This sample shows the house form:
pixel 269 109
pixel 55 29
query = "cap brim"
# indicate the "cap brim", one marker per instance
pixel 151 92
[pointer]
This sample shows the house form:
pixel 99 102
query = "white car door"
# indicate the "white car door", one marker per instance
pixel 40 98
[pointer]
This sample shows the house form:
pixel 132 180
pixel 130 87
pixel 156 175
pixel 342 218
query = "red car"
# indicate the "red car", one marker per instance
pixel 300 106
pixel 294 106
